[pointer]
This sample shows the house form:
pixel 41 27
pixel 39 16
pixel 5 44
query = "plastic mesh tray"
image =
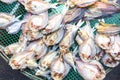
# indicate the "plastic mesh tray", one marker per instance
pixel 6 39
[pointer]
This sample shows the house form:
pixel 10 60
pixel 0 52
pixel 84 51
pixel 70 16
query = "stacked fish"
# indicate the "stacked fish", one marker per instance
pixel 45 41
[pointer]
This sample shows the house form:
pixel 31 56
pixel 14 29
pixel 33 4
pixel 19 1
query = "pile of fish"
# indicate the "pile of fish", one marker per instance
pixel 45 41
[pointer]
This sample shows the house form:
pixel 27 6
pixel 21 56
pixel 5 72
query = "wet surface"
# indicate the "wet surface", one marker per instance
pixel 6 73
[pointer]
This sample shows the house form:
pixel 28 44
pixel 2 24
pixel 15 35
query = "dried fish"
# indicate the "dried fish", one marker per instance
pixel 46 61
pixel 72 14
pixel 7 19
pixel 104 41
pixel 109 61
pixel 37 6
pixel 43 73
pixel 54 38
pixel 86 32
pixel 87 50
pixel 93 68
pixel 55 22
pixel 68 40
pixel 69 58
pixel 23 60
pixel 105 28
pixel 15 27
pixel 38 47
pixel 101 10
pixel 114 51
pixel 59 69
pixel 8 1
pixel 85 3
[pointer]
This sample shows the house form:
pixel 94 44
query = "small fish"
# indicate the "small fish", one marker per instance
pixel 37 6
pixel 72 14
pixel 105 28
pixel 8 1
pixel 104 41
pixel 38 21
pixel 109 61
pixel 87 50
pixel 86 31
pixel 55 22
pixel 54 38
pixel 38 47
pixel 114 51
pixel 23 60
pixel 10 49
pixel 85 3
pixel 93 68
pixel 69 58
pixel 79 40
pixel 101 10
pixel 15 27
pixel 68 39
pixel 59 69
pixel 43 73
pixel 46 61
pixel 7 19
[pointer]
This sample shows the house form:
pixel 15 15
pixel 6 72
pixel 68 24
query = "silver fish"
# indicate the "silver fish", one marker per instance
pixel 23 60
pixel 68 40
pixel 46 61
pixel 7 19
pixel 59 69
pixel 37 6
pixel 104 41
pixel 38 47
pixel 8 1
pixel 15 27
pixel 55 22
pixel 43 73
pixel 101 10
pixel 114 51
pixel 54 38
pixel 109 61
pixel 94 70
pixel 81 3
pixel 87 50
pixel 105 28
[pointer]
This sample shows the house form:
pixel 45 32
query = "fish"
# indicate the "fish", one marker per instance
pixel 68 39
pixel 94 69
pixel 54 38
pixel 87 50
pixel 7 19
pixel 46 61
pixel 72 14
pixel 38 47
pixel 81 3
pixel 101 10
pixel 37 6
pixel 55 22
pixel 8 1
pixel 59 68
pixel 114 51
pixel 23 60
pixel 109 61
pixel 38 22
pixel 105 28
pixel 104 41
pixel 79 40
pixel 43 73
pixel 15 27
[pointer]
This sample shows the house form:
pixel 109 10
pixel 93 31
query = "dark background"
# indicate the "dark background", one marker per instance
pixel 6 73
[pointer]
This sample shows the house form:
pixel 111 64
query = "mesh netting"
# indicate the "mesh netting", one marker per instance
pixel 6 39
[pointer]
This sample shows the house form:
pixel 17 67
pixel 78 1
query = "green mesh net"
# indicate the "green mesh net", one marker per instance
pixel 6 39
